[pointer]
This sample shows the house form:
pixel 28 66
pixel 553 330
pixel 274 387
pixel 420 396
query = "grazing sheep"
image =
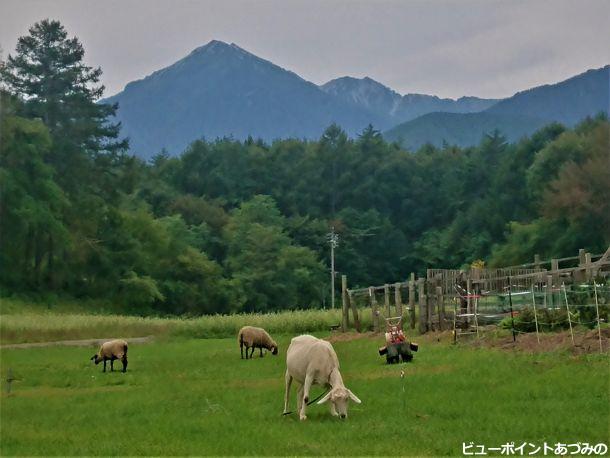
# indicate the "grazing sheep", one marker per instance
pixel 251 337
pixel 310 360
pixel 114 349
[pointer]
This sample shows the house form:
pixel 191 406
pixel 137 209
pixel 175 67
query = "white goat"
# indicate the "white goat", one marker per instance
pixel 309 361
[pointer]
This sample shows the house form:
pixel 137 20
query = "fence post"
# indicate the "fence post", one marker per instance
pixel 565 295
pixel 554 269
pixel 412 300
pixel 588 266
pixel 441 308
pixel 512 313
pixel 386 300
pixel 352 304
pixel 430 305
pixel 397 299
pixel 421 299
pixel 549 290
pixel 535 314
pixel 536 261
pixel 375 310
pixel 344 310
pixel 468 299
pixel 599 327
pixel 579 274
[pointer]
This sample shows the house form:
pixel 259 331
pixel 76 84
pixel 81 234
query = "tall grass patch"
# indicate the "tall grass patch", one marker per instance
pixel 42 325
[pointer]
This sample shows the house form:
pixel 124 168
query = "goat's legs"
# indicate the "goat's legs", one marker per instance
pixel 299 398
pixel 288 379
pixel 306 388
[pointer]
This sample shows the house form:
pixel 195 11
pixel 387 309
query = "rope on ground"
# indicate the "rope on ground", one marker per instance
pixel 309 403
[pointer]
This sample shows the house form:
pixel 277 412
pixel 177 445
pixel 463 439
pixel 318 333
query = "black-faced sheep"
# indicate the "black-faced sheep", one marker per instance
pixel 109 351
pixel 251 337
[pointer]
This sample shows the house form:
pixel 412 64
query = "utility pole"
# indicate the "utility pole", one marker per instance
pixel 333 240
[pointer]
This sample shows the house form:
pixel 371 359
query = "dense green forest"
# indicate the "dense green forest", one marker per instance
pixel 242 226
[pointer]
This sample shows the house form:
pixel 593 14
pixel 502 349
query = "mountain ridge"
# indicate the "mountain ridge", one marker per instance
pixel 222 90
pixel 566 102
pixel 396 107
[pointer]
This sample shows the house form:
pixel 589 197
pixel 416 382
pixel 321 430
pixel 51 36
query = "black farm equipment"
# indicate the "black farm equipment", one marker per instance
pixel 396 345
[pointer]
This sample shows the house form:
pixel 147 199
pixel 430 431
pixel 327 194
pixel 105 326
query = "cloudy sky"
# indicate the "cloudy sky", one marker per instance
pixel 450 48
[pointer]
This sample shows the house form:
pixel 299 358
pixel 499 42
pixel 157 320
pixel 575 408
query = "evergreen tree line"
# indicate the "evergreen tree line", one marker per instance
pixel 242 226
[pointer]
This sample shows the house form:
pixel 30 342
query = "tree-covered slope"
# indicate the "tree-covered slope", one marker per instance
pixel 461 129
pixel 567 102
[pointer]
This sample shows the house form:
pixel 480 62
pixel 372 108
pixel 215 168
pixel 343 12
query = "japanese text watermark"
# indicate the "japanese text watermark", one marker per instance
pixel 530 449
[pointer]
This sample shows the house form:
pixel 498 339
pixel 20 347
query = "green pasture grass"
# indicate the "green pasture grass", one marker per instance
pixel 197 397
pixel 26 322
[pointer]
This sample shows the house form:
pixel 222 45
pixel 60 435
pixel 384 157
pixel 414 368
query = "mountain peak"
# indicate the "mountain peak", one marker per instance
pixel 216 47
pixel 351 82
pixel 215 43
pixel 220 90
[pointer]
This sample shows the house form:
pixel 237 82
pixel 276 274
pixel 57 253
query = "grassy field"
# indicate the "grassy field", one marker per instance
pixel 197 397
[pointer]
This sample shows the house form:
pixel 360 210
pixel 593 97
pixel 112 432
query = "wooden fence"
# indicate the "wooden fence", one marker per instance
pixel 424 301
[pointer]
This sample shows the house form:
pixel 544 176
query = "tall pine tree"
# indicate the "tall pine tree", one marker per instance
pixel 48 74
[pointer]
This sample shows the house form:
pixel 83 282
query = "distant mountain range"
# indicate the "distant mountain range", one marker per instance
pixel 221 90
pixel 392 108
pixel 567 102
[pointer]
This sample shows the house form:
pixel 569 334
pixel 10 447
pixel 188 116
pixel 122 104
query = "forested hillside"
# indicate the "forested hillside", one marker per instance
pixel 567 102
pixel 461 129
pixel 241 225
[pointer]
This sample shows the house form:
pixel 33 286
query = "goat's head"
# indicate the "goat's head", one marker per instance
pixel 340 397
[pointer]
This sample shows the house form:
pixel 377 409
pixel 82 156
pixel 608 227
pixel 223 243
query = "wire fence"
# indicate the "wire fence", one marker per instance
pixel 573 293
pixel 538 310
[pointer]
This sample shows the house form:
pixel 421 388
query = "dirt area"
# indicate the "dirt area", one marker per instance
pixel 584 342
pixel 349 336
pixel 75 343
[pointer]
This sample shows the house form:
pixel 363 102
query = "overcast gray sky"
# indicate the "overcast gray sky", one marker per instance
pixel 450 48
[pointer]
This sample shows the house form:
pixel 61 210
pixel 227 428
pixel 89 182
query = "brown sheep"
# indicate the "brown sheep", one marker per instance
pixel 114 349
pixel 251 337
